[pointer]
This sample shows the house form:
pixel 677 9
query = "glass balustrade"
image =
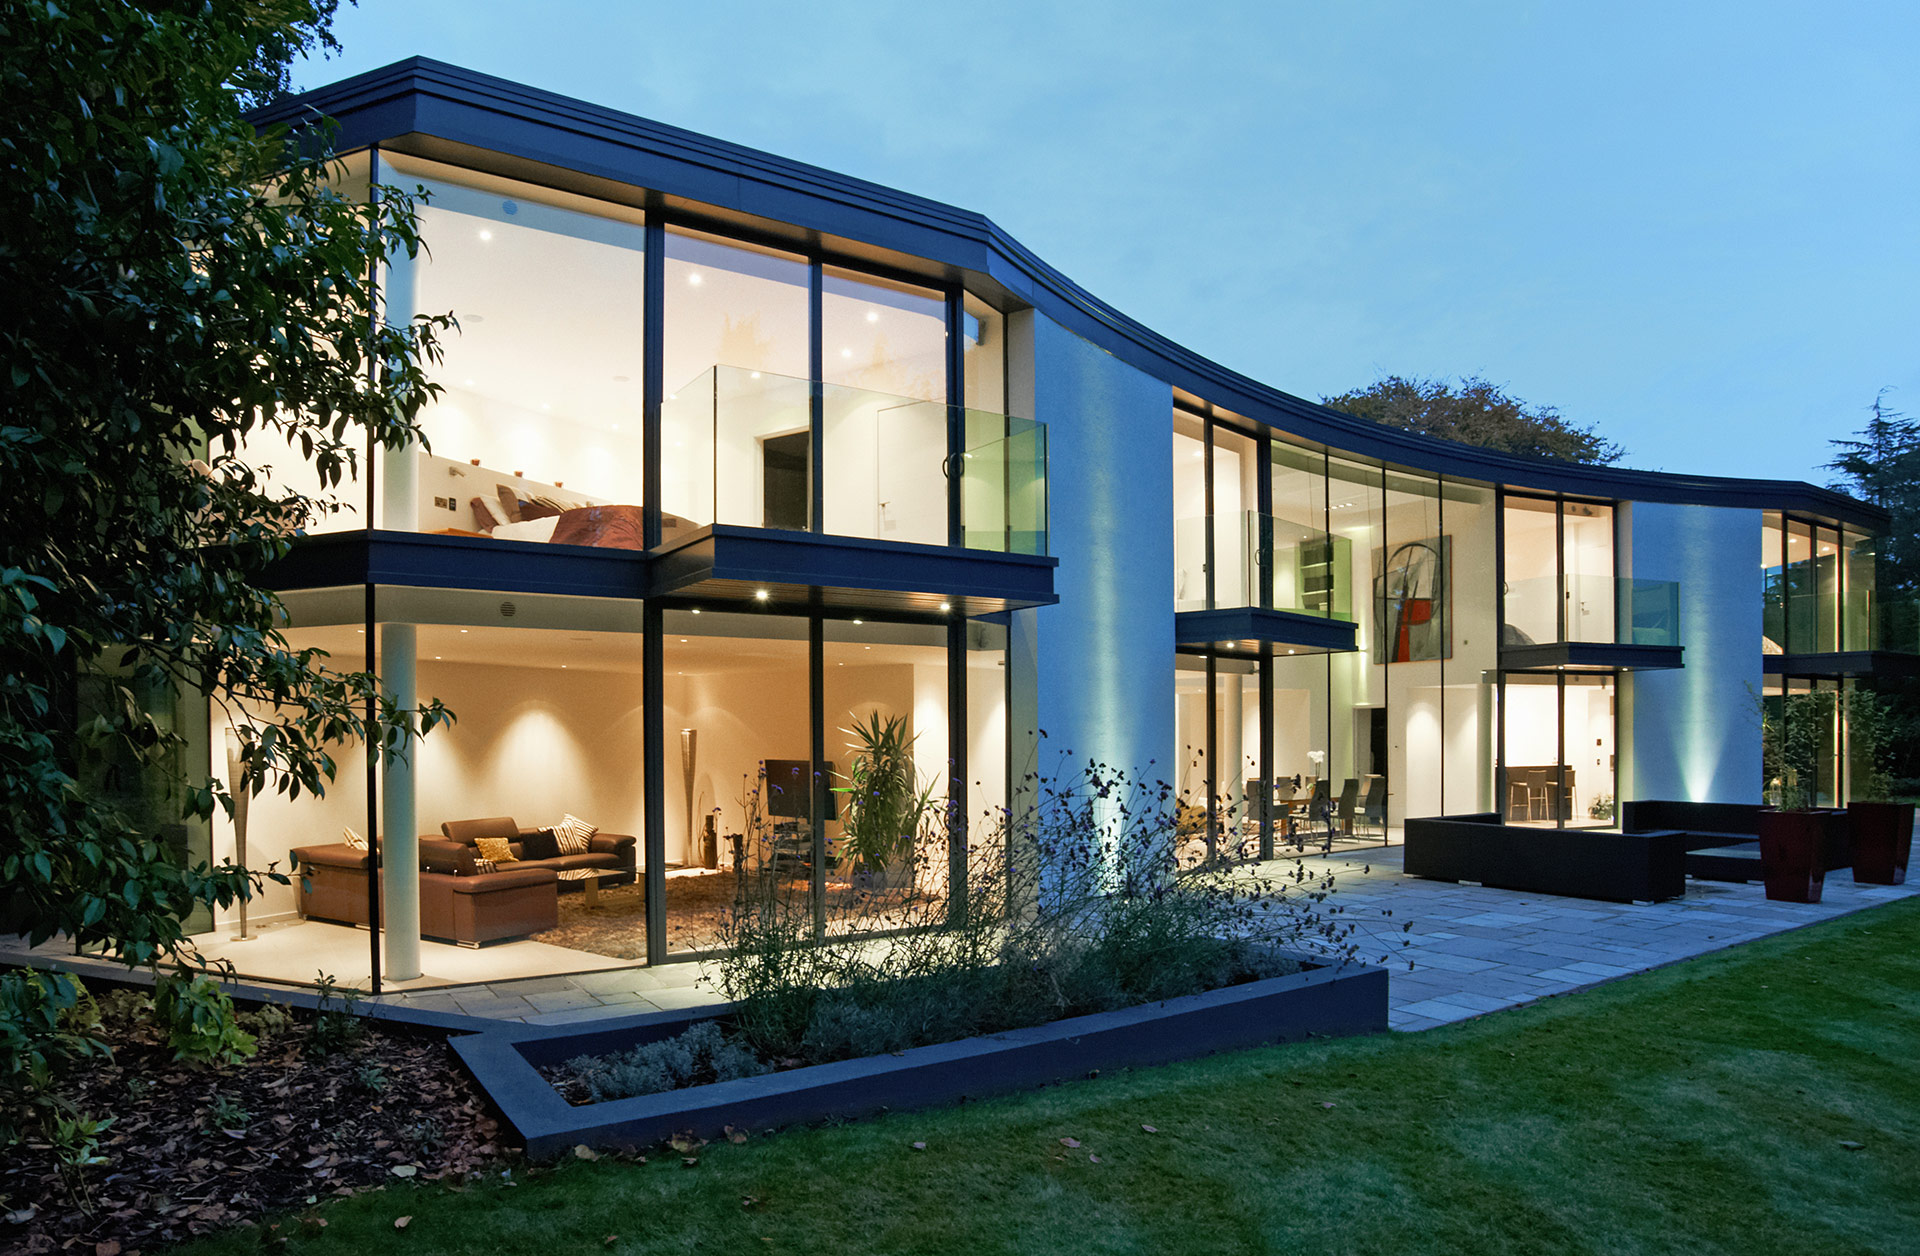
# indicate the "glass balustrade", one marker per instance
pixel 1312 571
pixel 736 448
pixel 1618 609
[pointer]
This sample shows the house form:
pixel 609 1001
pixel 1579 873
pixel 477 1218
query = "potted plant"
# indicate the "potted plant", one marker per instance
pixel 885 804
pixel 1882 830
pixel 1795 838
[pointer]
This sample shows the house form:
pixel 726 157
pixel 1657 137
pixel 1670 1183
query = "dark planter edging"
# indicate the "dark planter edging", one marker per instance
pixel 1332 1001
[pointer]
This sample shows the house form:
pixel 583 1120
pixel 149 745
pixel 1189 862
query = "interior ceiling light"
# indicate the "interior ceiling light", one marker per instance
pixel 946 606
pixel 873 316
pixel 694 279
pixel 846 353
pixel 761 595
pixel 486 235
pixel 696 610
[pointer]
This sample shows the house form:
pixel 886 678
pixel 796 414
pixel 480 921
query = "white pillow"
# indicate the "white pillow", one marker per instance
pixel 528 530
pixel 353 839
pixel 496 517
pixel 573 834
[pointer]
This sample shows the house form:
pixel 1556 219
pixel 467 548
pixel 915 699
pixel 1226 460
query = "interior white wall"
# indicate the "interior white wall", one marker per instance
pixel 1696 730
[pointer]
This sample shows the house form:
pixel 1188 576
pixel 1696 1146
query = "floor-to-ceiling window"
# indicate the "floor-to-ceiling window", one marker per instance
pixel 1189 512
pixel 541 402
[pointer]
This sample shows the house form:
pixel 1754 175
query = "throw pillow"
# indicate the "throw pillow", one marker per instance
pixel 539 844
pixel 509 502
pixel 481 866
pixel 497 849
pixel 574 834
pixel 353 839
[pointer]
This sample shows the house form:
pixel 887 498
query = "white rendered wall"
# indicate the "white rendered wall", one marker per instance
pixel 1695 732
pixel 1102 656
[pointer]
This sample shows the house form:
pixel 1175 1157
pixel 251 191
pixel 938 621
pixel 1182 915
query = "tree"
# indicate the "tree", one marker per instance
pixel 176 282
pixel 1477 412
pixel 1881 466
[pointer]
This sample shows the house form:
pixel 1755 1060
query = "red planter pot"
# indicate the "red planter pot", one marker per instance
pixel 1793 854
pixel 1882 840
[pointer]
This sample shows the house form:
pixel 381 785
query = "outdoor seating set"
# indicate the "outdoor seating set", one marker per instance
pixel 1662 843
pixel 466 896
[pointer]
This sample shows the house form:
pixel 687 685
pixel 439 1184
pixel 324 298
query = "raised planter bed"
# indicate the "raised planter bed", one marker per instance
pixel 1326 1001
pixel 1575 863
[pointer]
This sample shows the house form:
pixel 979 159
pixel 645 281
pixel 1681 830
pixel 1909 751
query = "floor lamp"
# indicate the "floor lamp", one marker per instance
pixel 240 786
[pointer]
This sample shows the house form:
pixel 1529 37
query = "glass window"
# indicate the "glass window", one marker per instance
pixel 1414 599
pixel 1802 587
pixel 1312 573
pixel 1773 584
pixel 1189 512
pixel 1532 601
pixel 1236 519
pixel 739 752
pixel 1862 602
pixel 884 363
pixel 1468 709
pixel 736 416
pixel 1357 691
pixel 541 411
pixel 1587 530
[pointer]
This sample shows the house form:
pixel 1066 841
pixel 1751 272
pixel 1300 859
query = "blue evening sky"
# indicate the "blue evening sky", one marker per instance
pixel 1695 225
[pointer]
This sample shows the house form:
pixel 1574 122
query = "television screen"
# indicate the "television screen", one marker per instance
pixel 789 793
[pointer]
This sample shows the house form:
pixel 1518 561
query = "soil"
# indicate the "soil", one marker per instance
pixel 314 1128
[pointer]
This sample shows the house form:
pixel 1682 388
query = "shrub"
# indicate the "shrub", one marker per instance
pixel 46 1021
pixel 1078 904
pixel 226 1113
pixel 199 1020
pixel 700 1055
pixel 336 1027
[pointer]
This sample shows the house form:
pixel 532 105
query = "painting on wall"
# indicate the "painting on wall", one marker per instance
pixel 1413 602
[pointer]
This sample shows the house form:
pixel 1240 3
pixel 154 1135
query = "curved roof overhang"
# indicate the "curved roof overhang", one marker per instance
pixel 441 111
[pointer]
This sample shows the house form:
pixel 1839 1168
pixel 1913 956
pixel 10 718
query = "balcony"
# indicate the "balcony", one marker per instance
pixel 1590 623
pixel 1872 638
pixel 736 449
pixel 1275 583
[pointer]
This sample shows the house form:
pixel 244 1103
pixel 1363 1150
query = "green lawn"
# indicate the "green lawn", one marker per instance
pixel 1703 1108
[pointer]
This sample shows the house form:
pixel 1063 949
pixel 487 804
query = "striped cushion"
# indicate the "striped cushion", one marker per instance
pixel 574 834
pixel 353 839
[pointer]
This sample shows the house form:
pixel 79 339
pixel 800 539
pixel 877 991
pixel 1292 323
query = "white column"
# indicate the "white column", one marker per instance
pixel 399 837
pixel 1231 770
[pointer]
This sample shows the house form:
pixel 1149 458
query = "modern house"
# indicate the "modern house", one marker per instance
pixel 734 452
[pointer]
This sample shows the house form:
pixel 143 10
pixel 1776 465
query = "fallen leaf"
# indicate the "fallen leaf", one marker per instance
pixel 1094 1158
pixel 583 1152
pixel 1069 1142
pixel 106 1247
pixel 1850 1145
pixel 1326 1105
pixel 749 1201
pixel 611 1239
pixel 21 1216
pixel 919 1146
pixel 313 1225
pixel 1149 1129
pixel 400 1223
pixel 404 1170
pixel 687 1162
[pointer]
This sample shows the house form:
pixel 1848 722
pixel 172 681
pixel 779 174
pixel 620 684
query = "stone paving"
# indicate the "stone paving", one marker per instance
pixel 1472 950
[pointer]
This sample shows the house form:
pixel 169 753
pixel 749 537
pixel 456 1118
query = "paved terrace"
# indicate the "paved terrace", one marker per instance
pixel 1472 950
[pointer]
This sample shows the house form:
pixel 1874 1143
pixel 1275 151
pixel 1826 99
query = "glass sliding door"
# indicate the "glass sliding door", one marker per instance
pixel 1559 749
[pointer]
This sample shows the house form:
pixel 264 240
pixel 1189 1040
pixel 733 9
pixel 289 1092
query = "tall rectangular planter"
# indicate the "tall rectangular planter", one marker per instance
pixel 1882 841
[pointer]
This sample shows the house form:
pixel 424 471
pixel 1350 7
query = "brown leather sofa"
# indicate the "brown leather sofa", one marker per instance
pixel 614 852
pixel 331 882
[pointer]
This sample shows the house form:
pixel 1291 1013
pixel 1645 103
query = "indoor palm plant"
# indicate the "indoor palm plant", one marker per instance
pixel 885 802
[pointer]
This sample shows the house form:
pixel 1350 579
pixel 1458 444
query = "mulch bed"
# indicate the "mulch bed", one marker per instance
pixel 316 1128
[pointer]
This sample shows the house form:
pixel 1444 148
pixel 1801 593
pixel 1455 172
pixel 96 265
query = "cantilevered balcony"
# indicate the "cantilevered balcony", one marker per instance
pixel 1590 623
pixel 1274 586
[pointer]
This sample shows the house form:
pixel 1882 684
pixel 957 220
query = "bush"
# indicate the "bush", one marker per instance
pixel 46 1020
pixel 199 1020
pixel 1078 905
pixel 336 1027
pixel 702 1054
